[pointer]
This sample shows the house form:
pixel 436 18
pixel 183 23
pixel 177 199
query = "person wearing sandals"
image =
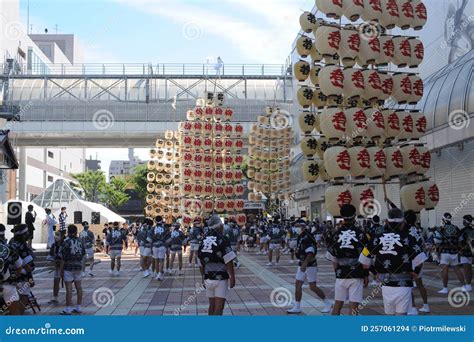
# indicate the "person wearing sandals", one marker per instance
pixel 55 258
pixel 88 240
pixel 72 253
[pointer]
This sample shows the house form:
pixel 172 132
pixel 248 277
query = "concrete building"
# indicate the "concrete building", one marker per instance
pixel 447 74
pixel 92 164
pixel 124 167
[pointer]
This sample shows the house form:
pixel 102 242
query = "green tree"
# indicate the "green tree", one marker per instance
pixel 138 180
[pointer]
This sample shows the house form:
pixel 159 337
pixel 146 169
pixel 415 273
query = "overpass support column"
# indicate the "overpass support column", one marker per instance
pixel 22 174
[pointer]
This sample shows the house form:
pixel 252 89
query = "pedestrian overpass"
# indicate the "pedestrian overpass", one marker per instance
pixel 128 105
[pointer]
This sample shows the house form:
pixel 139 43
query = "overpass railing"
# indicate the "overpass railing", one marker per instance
pixel 163 69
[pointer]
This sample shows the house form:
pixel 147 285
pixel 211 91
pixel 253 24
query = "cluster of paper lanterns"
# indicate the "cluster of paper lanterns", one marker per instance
pixel 210 149
pixel 349 133
pixel 163 178
pixel 269 157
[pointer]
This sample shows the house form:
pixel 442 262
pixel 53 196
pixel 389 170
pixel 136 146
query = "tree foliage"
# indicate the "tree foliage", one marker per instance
pixel 138 180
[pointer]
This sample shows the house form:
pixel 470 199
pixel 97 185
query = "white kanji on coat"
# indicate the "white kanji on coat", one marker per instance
pixel 388 241
pixel 346 237
pixel 208 242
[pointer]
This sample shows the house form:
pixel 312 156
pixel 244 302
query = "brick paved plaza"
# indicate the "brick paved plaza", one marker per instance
pixel 134 295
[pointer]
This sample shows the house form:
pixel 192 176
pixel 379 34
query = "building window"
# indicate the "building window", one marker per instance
pixel 50 179
pixel 50 154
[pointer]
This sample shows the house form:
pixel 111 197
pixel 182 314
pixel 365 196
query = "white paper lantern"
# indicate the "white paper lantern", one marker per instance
pixel 337 162
pixel 332 9
pixel 431 194
pixel 417 52
pixel 419 125
pixel 323 145
pixel 406 125
pixel 315 55
pixel 309 145
pixel 394 162
pixel 307 121
pixel 314 74
pixel 308 22
pixel 335 197
pixel 386 86
pixel 378 162
pixel 323 175
pixel 411 159
pixel 413 197
pixel 319 100
pixel 328 39
pixel 304 96
pixel 420 14
pixel 425 160
pixel 353 82
pixel 352 9
pixel 402 88
pixel 331 80
pixel 369 51
pixel 304 45
pixel 349 46
pixel 356 124
pixel 333 123
pixel 310 171
pixel 392 123
pixel 402 51
pixel 375 124
pixel 363 199
pixel 417 89
pixel 301 70
pixel 390 14
pixel 407 15
pixel 359 161
pixel 372 84
pixel 372 10
pixel 387 50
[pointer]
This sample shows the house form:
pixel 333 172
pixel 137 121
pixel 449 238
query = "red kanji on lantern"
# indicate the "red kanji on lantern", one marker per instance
pixel 228 128
pixel 229 190
pixel 208 174
pixel 339 121
pixel 219 190
pixel 363 158
pixel 208 142
pixel 405 85
pixel 228 159
pixel 375 4
pixel 208 205
pixel 228 143
pixel 433 193
pixel 374 80
pixel 418 87
pixel 337 78
pixel 421 124
pixel 188 172
pixel 198 111
pixel 208 110
pixel 380 159
pixel 387 86
pixel 408 123
pixel 239 143
pixel 218 174
pixel 394 122
pixel 392 8
pixel 358 3
pixel 220 204
pixel 374 44
pixel 358 79
pixel 239 128
pixel 198 188
pixel 198 158
pixel 377 118
pixel 337 3
pixel 197 173
pixel 218 143
pixel 238 175
pixel 360 119
pixel 420 196
pixel 334 39
pixel 228 112
pixel 197 142
pixel 419 50
pixel 388 48
pixel 343 160
pixel 414 156
pixel 197 126
pixel 218 111
pixel 397 159
pixel 208 188
pixel 420 11
pixel 407 9
pixel 187 126
pixel 425 160
pixel 353 42
pixel 218 159
pixel 188 157
pixel 239 159
pixel 405 48
pixel 239 189
pixel 344 197
pixel 239 204
pixel 366 195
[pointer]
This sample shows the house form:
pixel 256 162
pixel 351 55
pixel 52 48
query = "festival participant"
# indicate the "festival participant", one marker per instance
pixel 292 241
pixel 115 240
pixel 124 231
pixel 106 232
pixel 232 232
pixel 62 219
pixel 306 249
pixel 397 259
pixel 72 253
pixel 159 235
pixel 176 248
pixel 217 268
pixel 9 275
pixel 466 251
pixel 195 236
pixel 50 222
pixel 145 243
pixel 375 229
pixel 348 242
pixel 55 258
pixel 30 218
pixel 276 235
pixel 263 238
pixel 19 243
pixel 88 240
pixel 448 239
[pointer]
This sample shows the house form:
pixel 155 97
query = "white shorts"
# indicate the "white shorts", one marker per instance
pixel 449 259
pixel 396 299
pixel 194 247
pixel 292 243
pixel 349 289
pixel 310 275
pixel 89 253
pixel 264 239
pixel 145 251
pixel 179 252
pixel 217 288
pixel 159 252
pixel 466 260
pixel 274 246
pixel 115 253
pixel 244 238
pixel 72 276
pixel 10 294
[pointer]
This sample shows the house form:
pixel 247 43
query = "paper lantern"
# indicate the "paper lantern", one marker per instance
pixel 309 146
pixel 304 96
pixel 390 14
pixel 151 165
pixel 352 9
pixel 323 145
pixel 378 162
pixel 304 45
pixel 314 74
pixel 349 46
pixel 160 143
pixel 150 177
pixel 402 51
pixel 251 197
pixel 333 123
pixel 229 205
pixel 328 39
pixel 359 161
pixel 372 84
pixel 417 52
pixel 413 197
pixel 372 10
pixel 363 199
pixel 316 57
pixel 369 51
pixel 392 123
pixel 431 194
pixel 375 124
pixel 402 88
pixel 417 89
pixel 319 100
pixel 239 205
pixel 310 171
pixel 337 162
pixel 168 134
pixel 308 22
pixel 411 159
pixel 219 206
pixel 208 113
pixel 150 187
pixel 306 122
pixel 406 125
pixel 353 82
pixel 387 50
pixel 238 130
pixel 331 80
pixel 407 15
pixel 241 219
pixel 420 14
pixel 190 116
pixel 301 70
pixel 386 86
pixel 425 160
pixel 218 114
pixel 356 125
pixel 332 9
pixel 419 125
pixel 394 162
pixel 335 197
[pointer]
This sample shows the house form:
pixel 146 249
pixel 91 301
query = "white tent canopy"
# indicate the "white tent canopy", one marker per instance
pixel 87 208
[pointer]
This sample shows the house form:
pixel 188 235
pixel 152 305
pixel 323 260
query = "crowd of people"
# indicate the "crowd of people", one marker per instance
pixel 389 254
